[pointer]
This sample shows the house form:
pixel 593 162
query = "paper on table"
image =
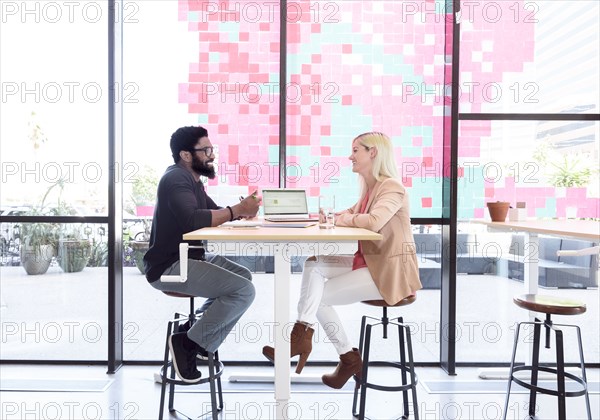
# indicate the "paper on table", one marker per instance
pixel 256 224
pixel 289 225
pixel 242 224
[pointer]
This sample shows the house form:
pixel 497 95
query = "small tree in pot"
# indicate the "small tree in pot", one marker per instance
pixel 39 240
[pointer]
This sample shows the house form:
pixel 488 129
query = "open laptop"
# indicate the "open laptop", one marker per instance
pixel 286 205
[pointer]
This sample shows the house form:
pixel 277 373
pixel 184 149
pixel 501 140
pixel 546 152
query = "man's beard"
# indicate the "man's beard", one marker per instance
pixel 202 168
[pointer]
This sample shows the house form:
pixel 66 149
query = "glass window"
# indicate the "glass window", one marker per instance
pixel 54 130
pixel 147 311
pixel 54 291
pixel 551 168
pixel 362 66
pixel 54 106
pixel 521 57
pixel 214 65
pixel 226 78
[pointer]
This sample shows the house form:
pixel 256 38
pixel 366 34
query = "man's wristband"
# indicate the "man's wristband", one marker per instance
pixel 230 214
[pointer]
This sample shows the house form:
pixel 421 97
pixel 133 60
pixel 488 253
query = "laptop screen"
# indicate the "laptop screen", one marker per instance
pixel 284 201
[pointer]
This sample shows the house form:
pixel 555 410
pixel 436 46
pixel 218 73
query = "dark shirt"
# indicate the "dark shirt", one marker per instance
pixel 182 206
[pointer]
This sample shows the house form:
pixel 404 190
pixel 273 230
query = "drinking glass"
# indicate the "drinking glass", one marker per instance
pixel 326 211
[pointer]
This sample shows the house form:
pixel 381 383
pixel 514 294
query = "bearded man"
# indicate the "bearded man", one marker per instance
pixel 182 206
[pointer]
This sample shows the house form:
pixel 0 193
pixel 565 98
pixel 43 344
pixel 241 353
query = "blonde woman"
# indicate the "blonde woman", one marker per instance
pixel 385 269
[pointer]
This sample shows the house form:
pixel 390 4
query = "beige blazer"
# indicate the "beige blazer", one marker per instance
pixel 392 261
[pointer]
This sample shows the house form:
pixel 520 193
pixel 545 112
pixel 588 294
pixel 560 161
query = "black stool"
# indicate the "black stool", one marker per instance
pixel 550 306
pixel 364 349
pixel 215 367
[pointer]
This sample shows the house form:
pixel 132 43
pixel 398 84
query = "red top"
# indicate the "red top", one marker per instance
pixel 359 259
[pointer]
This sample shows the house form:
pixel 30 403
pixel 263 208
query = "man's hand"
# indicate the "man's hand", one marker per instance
pixel 247 207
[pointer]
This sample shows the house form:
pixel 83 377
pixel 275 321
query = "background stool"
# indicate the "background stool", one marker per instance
pixel 215 367
pixel 405 347
pixel 550 306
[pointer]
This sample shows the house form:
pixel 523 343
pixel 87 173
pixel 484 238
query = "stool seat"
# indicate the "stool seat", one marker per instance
pixel 550 304
pixel 381 303
pixel 177 294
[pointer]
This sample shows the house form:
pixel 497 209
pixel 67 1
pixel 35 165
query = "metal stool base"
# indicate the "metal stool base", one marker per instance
pixel 561 393
pixel 406 367
pixel 168 375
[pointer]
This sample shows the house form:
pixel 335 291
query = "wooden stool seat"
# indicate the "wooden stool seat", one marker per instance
pixel 381 303
pixel 178 295
pixel 550 304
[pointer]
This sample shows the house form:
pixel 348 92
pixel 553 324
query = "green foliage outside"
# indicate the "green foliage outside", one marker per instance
pixel 143 189
pixel 564 170
pixel 571 172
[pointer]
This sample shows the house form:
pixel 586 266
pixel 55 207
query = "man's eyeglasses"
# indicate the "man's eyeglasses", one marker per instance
pixel 208 151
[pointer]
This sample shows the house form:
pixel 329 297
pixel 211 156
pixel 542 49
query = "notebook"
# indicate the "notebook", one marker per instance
pixel 285 205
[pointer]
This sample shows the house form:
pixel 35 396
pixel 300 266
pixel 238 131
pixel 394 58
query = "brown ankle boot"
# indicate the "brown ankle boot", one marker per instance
pixel 350 364
pixel 300 343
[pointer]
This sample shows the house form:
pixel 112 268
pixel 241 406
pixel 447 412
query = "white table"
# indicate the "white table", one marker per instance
pixel 282 243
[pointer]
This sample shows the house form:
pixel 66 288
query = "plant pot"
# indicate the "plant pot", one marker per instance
pixel 36 260
pixel 73 255
pixel 498 210
pixel 139 249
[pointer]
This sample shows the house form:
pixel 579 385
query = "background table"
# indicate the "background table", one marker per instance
pixel 575 229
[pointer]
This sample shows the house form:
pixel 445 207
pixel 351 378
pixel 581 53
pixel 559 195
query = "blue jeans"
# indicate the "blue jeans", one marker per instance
pixel 230 292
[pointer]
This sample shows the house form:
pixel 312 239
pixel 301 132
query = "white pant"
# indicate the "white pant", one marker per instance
pixel 329 281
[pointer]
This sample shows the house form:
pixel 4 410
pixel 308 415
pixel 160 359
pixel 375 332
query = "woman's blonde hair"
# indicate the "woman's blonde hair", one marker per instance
pixel 384 163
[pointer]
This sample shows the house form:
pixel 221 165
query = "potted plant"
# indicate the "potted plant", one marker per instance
pixel 73 250
pixel 43 241
pixel 498 210
pixel 139 247
pixel 99 248
pixel 38 246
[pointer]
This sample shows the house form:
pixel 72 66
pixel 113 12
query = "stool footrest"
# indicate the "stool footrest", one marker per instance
pixel 180 317
pixel 548 391
pixel 179 414
pixel 218 372
pixel 391 388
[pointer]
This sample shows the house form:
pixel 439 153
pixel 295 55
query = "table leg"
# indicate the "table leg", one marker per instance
pixel 531 252
pixel 531 256
pixel 282 342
